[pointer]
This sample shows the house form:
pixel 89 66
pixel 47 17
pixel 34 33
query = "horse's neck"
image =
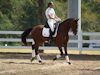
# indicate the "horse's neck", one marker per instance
pixel 64 28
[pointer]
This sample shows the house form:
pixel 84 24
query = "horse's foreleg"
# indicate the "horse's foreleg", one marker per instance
pixel 61 53
pixel 66 55
pixel 60 49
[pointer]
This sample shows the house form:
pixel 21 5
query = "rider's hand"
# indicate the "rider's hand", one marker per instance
pixel 57 19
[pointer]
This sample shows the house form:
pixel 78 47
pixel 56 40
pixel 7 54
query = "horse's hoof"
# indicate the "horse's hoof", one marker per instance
pixel 40 61
pixel 54 59
pixel 32 59
pixel 69 63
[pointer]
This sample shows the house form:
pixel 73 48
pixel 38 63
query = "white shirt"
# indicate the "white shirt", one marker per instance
pixel 51 12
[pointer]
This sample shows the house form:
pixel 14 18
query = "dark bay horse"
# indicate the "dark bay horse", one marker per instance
pixel 60 40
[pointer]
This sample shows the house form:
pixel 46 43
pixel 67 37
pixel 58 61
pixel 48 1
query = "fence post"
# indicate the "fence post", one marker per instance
pixel 80 41
pixel 74 11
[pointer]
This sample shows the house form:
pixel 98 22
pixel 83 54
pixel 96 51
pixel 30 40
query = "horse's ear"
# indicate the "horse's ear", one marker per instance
pixel 77 19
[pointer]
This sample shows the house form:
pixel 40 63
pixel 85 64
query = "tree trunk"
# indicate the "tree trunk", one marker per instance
pixel 41 11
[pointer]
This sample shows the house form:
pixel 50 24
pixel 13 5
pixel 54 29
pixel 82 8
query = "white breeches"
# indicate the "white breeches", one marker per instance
pixel 51 24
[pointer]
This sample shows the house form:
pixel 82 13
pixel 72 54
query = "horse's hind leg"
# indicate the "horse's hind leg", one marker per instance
pixel 33 53
pixel 61 53
pixel 37 54
pixel 33 50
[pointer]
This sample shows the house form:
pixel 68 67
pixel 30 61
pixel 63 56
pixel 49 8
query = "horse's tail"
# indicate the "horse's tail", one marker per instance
pixel 24 35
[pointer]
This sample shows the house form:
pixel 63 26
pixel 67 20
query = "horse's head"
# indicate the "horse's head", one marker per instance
pixel 74 25
pixel 70 23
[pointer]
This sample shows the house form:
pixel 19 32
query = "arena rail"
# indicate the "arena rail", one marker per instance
pixel 80 41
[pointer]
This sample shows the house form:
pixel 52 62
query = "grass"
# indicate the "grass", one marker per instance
pixel 88 52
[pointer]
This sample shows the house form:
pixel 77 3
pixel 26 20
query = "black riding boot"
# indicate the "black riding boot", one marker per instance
pixel 50 36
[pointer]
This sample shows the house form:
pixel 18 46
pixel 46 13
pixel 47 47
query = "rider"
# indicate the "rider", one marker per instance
pixel 51 17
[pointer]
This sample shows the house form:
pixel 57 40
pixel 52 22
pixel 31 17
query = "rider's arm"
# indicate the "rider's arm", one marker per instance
pixel 50 17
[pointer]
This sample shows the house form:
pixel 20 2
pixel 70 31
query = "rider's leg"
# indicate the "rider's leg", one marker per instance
pixel 51 33
pixel 51 25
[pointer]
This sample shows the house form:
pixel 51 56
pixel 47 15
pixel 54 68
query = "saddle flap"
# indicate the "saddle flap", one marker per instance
pixel 45 32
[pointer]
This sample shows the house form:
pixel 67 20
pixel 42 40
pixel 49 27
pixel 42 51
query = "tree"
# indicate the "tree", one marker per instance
pixel 90 16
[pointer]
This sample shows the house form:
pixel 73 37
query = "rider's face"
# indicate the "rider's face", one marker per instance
pixel 51 5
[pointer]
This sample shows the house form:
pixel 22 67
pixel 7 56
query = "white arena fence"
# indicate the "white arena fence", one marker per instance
pixel 92 43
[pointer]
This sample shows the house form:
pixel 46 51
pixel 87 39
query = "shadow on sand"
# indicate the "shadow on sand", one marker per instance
pixel 48 56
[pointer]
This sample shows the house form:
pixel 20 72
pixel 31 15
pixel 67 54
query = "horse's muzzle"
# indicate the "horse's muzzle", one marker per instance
pixel 75 32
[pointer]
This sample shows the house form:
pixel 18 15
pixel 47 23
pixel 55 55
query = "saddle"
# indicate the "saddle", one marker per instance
pixel 46 30
pixel 46 25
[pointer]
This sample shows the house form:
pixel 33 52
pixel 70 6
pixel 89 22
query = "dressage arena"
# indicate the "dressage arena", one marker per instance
pixel 19 64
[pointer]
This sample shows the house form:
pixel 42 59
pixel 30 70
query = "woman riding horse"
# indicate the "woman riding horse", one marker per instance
pixel 60 40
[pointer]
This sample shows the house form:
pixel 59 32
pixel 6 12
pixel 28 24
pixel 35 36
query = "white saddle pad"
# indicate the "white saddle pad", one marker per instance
pixel 46 33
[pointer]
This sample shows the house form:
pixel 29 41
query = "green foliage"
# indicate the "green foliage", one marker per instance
pixel 61 8
pixel 23 14
pixel 5 23
pixel 90 16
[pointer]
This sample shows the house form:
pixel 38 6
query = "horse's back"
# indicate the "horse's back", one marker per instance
pixel 37 30
pixel 38 27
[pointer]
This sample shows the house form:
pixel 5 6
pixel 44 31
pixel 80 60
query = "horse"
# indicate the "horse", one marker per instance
pixel 61 39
